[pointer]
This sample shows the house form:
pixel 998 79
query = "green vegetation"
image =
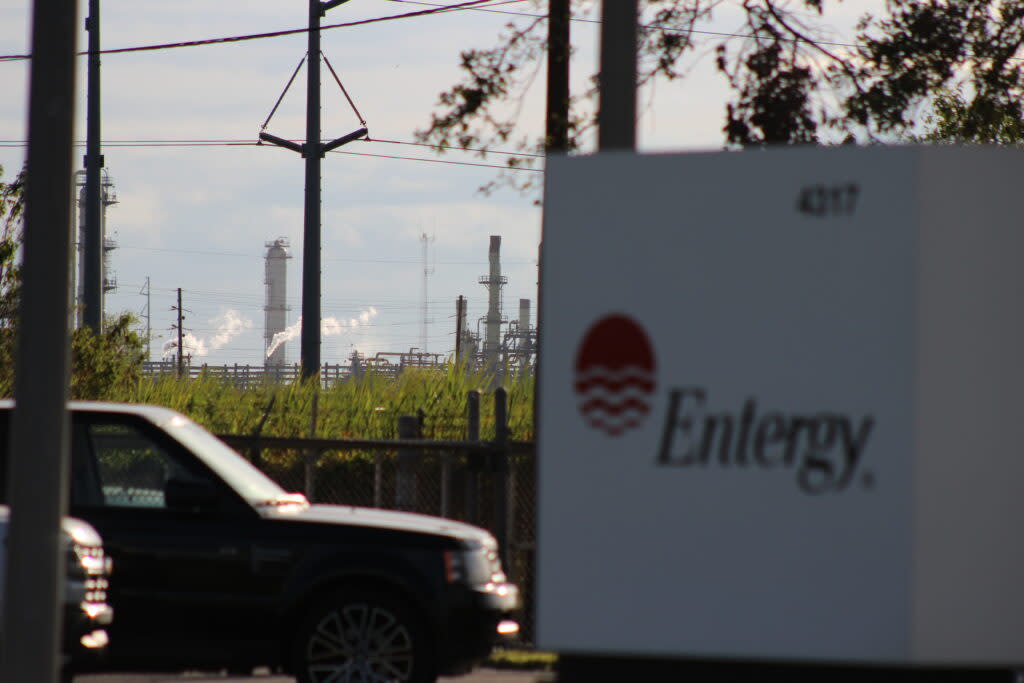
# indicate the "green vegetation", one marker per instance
pixel 364 408
pixel 359 408
pixel 108 366
pixel 791 82
pixel 503 658
pixel 101 364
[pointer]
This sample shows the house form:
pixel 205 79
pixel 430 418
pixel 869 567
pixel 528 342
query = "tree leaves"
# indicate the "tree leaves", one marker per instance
pixel 101 365
pixel 791 85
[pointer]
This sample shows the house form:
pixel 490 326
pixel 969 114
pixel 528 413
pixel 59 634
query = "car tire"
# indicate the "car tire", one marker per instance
pixel 366 636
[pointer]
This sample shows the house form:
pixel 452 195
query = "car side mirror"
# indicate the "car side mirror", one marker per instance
pixel 189 494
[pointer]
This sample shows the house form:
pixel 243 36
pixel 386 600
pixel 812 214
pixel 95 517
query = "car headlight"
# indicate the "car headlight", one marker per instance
pixel 478 565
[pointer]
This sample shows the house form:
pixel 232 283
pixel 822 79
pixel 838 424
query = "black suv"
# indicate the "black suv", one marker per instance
pixel 218 567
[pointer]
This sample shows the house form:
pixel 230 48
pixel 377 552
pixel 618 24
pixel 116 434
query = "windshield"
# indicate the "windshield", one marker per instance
pixel 235 470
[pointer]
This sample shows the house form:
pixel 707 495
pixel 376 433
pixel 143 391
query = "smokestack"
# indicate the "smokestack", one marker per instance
pixel 494 304
pixel 276 309
pixel 494 282
pixel 524 315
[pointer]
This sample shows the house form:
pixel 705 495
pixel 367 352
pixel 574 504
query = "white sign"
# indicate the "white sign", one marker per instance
pixel 782 406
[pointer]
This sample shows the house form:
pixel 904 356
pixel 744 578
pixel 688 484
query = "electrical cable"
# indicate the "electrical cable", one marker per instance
pixel 435 8
pixel 411 260
pixel 439 161
pixel 214 143
pixel 269 34
pixel 249 143
pixel 583 20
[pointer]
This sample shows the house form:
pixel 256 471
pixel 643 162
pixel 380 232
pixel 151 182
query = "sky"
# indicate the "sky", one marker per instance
pixel 405 231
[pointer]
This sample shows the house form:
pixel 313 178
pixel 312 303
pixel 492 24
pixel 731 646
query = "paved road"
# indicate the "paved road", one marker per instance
pixel 478 676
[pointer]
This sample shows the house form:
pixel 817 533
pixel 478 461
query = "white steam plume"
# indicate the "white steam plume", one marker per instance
pixel 229 325
pixel 329 327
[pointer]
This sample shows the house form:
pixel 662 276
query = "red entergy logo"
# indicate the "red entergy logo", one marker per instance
pixel 615 374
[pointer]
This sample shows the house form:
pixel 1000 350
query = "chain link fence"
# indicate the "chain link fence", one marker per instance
pixel 491 484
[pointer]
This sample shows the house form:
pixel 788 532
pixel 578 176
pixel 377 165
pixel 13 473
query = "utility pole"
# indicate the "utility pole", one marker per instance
pixel 427 272
pixel 92 253
pixel 181 340
pixel 557 137
pixel 309 343
pixel 37 467
pixel 149 330
pixel 313 151
pixel 616 117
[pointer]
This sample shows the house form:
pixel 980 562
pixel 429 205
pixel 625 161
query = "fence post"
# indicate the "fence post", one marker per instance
pixel 256 456
pixel 499 465
pixel 405 477
pixel 378 479
pixel 473 458
pixel 312 455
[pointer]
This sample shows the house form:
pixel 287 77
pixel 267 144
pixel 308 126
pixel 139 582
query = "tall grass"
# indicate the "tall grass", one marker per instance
pixel 367 407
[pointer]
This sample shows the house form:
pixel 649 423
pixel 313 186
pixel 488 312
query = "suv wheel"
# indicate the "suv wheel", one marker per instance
pixel 363 636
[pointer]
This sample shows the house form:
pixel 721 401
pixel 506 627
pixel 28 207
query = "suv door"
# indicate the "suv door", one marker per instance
pixel 181 571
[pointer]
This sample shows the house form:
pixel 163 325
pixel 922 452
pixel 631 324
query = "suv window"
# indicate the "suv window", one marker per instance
pixel 131 469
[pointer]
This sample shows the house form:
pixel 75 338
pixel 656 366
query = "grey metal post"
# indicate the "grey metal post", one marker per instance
pixel 310 341
pixel 473 458
pixel 616 116
pixel 92 252
pixel 405 477
pixel 499 466
pixel 38 462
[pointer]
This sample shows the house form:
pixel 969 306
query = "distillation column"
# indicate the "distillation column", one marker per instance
pixel 494 282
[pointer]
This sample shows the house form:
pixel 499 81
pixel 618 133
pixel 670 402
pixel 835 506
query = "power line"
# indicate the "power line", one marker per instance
pixel 434 8
pixel 271 34
pixel 249 143
pixel 440 161
pixel 412 260
pixel 451 147
pixel 474 9
pixel 646 27
pixel 186 142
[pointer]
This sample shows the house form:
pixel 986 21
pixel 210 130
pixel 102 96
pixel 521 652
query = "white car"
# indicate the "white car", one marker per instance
pixel 86 611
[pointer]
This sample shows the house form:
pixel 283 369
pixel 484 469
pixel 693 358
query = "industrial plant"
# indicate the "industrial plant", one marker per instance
pixel 108 197
pixel 495 343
